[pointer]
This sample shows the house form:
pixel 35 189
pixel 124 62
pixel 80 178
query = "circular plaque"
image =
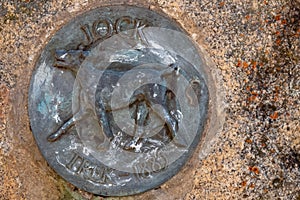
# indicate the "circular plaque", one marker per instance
pixel 118 100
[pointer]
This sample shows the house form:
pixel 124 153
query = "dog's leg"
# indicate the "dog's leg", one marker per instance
pixel 65 127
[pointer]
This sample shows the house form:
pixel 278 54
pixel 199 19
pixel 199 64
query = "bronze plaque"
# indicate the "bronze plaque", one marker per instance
pixel 118 100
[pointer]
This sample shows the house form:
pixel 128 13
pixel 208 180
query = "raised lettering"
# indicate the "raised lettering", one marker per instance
pixel 124 24
pixel 102 28
pixel 105 28
pixel 90 171
pixel 154 164
pixel 75 164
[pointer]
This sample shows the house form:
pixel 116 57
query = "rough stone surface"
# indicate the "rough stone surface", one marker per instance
pixel 255 47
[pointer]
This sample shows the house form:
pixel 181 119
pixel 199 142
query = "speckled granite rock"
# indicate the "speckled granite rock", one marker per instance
pixel 255 48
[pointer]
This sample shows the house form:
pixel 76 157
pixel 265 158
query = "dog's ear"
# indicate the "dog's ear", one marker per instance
pixel 70 59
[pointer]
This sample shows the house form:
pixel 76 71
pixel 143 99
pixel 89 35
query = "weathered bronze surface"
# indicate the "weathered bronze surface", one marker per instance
pixel 118 100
